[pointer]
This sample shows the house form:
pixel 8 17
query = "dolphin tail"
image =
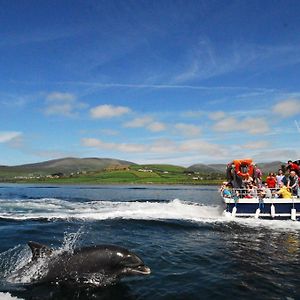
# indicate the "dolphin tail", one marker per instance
pixel 39 250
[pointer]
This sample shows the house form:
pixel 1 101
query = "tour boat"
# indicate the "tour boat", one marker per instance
pixel 239 203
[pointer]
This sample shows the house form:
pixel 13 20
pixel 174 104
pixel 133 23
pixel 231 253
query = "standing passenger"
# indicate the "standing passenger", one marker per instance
pixel 271 181
pixel 293 167
pixel 258 177
pixel 293 183
pixel 279 176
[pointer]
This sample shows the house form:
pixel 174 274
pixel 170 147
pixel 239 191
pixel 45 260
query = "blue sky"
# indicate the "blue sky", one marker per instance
pixel 178 82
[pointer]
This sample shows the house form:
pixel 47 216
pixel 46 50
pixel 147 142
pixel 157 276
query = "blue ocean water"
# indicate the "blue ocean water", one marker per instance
pixel 179 231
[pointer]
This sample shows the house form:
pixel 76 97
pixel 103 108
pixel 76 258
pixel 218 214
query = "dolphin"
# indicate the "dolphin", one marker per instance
pixel 95 265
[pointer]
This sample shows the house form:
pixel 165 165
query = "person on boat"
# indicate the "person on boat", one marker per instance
pixel 285 178
pixel 284 191
pixel 271 181
pixel 226 192
pixel 251 191
pixel 225 189
pixel 265 191
pixel 258 176
pixel 293 183
pixel 293 167
pixel 279 177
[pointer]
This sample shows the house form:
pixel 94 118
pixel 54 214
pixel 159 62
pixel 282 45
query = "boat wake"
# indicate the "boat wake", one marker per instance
pixel 58 209
pixel 52 208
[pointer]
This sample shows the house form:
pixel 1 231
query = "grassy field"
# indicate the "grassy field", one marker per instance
pixel 145 174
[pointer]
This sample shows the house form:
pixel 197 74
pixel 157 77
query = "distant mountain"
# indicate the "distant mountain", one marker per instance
pixel 221 168
pixel 65 165
pixel 218 167
pixel 70 165
pixel 270 166
pixel 202 168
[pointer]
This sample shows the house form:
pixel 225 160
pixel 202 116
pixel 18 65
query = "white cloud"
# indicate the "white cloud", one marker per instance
pixel 122 147
pixel 249 125
pixel 276 154
pixel 218 115
pixel 138 122
pixel 109 132
pixel 202 147
pixel 255 125
pixel 156 126
pixel 60 109
pixel 146 122
pixel 64 104
pixel 193 114
pixel 58 96
pixel 163 146
pixel 8 136
pixel 108 111
pixel 131 147
pixel 287 108
pixel 256 145
pixel 204 60
pixel 188 129
pixel 228 124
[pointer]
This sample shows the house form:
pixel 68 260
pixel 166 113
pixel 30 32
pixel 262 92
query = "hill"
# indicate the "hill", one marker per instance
pixel 64 165
pixel 270 166
pixel 108 170
pixel 220 168
pixel 202 168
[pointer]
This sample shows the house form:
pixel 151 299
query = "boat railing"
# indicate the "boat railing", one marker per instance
pixel 252 193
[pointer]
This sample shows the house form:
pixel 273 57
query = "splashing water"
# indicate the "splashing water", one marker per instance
pixel 7 296
pixel 19 267
pixel 70 240
pixel 14 259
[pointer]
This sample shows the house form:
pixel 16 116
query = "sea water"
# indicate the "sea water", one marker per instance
pixel 179 231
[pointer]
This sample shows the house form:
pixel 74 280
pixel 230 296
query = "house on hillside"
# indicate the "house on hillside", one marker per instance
pixel 145 170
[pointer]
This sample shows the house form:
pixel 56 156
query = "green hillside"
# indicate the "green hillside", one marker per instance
pixel 100 171
pixel 66 166
pixel 106 170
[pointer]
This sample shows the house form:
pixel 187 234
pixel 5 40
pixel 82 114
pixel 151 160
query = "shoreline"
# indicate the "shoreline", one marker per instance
pixel 212 182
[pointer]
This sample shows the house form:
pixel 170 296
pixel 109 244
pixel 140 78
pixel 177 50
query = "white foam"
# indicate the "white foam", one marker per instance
pixel 52 208
pixel 278 225
pixel 18 260
pixel 8 296
pixel 101 210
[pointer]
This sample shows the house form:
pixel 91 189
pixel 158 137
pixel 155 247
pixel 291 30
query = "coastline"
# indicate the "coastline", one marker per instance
pixel 109 183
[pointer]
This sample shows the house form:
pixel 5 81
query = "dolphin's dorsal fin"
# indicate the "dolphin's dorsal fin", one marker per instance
pixel 39 250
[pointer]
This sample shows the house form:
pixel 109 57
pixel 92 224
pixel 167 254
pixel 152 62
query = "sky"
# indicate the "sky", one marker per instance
pixel 148 81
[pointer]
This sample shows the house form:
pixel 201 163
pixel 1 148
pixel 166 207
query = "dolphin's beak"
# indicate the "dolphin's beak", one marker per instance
pixel 144 270
pixel 140 270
